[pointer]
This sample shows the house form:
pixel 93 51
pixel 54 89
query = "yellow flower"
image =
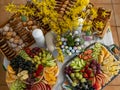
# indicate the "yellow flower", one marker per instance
pixel 99 24
pixel 93 12
pixel 104 13
pixel 11 8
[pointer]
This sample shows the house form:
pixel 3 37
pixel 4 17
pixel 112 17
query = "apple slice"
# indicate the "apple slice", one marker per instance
pixel 38 87
pixel 107 78
pixel 41 85
pixel 34 87
pixel 101 75
pixel 99 79
pixel 48 87
pixel 103 78
pixel 93 81
pixel 44 86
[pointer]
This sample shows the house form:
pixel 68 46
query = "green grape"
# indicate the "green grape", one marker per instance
pixel 96 51
pixel 17 85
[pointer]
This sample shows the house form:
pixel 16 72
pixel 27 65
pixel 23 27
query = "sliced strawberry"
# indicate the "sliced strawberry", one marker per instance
pixel 89 51
pixel 82 70
pixel 86 66
pixel 80 56
pixel 97 86
pixel 85 75
pixel 89 71
pixel 85 57
pixel 89 56
pixel 85 52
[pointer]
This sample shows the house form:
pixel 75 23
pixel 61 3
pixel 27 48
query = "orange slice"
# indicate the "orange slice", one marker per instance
pixel 9 79
pixel 10 69
pixel 51 83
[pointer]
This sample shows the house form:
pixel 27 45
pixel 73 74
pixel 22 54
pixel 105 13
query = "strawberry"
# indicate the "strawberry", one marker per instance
pixel 90 74
pixel 39 70
pixel 80 56
pixel 89 71
pixel 89 56
pixel 27 50
pixel 85 52
pixel 97 86
pixel 82 70
pixel 89 51
pixel 85 75
pixel 85 57
pixel 86 66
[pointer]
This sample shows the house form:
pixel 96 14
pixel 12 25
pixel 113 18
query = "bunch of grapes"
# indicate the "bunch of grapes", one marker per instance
pixel 19 64
pixel 18 85
pixel 96 51
pixel 95 66
pixel 69 70
pixel 84 86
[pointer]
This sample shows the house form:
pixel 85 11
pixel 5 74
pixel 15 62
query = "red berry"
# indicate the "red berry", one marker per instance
pixel 89 56
pixel 97 86
pixel 86 66
pixel 85 75
pixel 82 70
pixel 80 56
pixel 39 70
pixel 89 71
pixel 27 51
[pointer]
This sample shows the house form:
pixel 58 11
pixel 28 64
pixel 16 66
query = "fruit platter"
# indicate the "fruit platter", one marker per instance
pixel 32 69
pixel 92 69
